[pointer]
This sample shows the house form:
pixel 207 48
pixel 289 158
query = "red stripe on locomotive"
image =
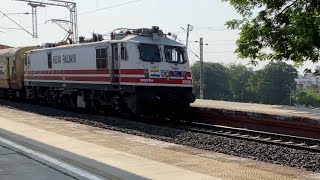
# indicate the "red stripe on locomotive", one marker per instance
pixel 94 71
pixel 59 78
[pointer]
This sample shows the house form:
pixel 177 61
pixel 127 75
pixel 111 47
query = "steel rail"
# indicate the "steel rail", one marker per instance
pixel 295 142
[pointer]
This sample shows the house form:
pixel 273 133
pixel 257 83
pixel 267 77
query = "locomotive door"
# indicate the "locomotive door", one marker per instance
pixel 27 69
pixel 4 72
pixel 115 64
pixel 13 74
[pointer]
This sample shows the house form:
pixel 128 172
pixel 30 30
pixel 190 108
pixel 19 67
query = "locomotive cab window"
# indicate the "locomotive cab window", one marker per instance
pixel 101 58
pixel 25 59
pixel 149 53
pixel 174 54
pixel 49 60
pixel 124 54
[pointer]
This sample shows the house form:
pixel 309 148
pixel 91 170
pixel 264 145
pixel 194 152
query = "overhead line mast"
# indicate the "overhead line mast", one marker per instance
pixel 189 28
pixel 72 7
pixel 35 18
pixel 201 68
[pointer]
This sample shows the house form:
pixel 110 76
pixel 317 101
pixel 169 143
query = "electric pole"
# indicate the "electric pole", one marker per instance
pixel 189 28
pixel 35 19
pixel 201 68
pixel 290 92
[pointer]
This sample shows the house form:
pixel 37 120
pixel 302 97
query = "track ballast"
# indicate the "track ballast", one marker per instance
pixel 273 153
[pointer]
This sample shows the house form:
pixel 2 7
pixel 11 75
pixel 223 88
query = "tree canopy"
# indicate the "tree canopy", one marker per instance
pixel 308 98
pixel 271 85
pixel 277 29
pixel 215 78
pixel 239 76
pixel 274 83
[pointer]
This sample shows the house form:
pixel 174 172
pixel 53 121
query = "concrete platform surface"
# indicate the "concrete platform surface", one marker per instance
pixel 121 156
pixel 260 108
pixel 14 165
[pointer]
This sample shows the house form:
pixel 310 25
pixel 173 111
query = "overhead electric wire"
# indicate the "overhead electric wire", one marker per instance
pixel 217 52
pixel 110 7
pixel 196 53
pixel 14 23
pixel 212 28
pixel 88 12
pixel 190 49
pixel 228 40
pixel 10 28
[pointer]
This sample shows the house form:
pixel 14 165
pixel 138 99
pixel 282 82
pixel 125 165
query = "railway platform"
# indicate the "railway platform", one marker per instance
pixel 114 155
pixel 297 121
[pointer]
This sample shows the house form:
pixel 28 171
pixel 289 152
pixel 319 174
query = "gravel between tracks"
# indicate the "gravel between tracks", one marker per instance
pixel 253 150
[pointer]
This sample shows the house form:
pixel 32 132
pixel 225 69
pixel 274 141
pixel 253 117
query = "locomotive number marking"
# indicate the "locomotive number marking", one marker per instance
pixel 146 80
pixel 186 82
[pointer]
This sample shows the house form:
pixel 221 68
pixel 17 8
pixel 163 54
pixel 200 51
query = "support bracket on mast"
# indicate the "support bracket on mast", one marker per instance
pixel 70 5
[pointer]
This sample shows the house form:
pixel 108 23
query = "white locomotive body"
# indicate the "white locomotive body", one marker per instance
pixel 140 71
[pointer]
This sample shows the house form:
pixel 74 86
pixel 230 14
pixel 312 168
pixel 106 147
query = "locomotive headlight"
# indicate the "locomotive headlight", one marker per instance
pixel 146 73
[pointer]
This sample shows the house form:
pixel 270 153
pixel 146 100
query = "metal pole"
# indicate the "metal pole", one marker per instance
pixel 201 68
pixel 290 95
pixel 76 28
pixel 72 7
pixel 188 32
pixel 290 98
pixel 34 21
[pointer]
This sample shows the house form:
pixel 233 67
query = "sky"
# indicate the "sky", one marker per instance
pixel 207 17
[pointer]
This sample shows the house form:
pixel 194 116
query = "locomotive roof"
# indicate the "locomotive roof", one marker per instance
pixel 129 38
pixel 9 52
pixel 149 40
pixel 14 51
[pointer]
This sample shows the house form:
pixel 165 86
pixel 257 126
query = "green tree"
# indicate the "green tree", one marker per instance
pixel 274 84
pixel 215 78
pixel 239 83
pixel 277 29
pixel 307 98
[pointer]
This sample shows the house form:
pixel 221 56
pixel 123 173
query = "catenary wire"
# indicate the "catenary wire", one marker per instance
pixel 88 12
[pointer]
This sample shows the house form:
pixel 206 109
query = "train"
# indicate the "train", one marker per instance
pixel 138 71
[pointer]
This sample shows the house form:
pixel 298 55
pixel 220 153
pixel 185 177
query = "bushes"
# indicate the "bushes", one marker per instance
pixel 270 85
pixel 307 98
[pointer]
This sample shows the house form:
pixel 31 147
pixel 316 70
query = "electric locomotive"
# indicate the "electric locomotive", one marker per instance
pixel 139 71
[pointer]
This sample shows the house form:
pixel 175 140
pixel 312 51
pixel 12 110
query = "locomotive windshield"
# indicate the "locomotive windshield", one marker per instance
pixel 174 54
pixel 149 53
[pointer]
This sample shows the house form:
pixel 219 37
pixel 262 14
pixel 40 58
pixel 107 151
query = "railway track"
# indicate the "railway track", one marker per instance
pixel 274 148
pixel 295 142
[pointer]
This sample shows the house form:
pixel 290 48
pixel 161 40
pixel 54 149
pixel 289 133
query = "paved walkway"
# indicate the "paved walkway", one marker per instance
pixel 15 165
pixel 123 156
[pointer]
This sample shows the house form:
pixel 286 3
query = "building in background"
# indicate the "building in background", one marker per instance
pixel 309 81
pixel 4 47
